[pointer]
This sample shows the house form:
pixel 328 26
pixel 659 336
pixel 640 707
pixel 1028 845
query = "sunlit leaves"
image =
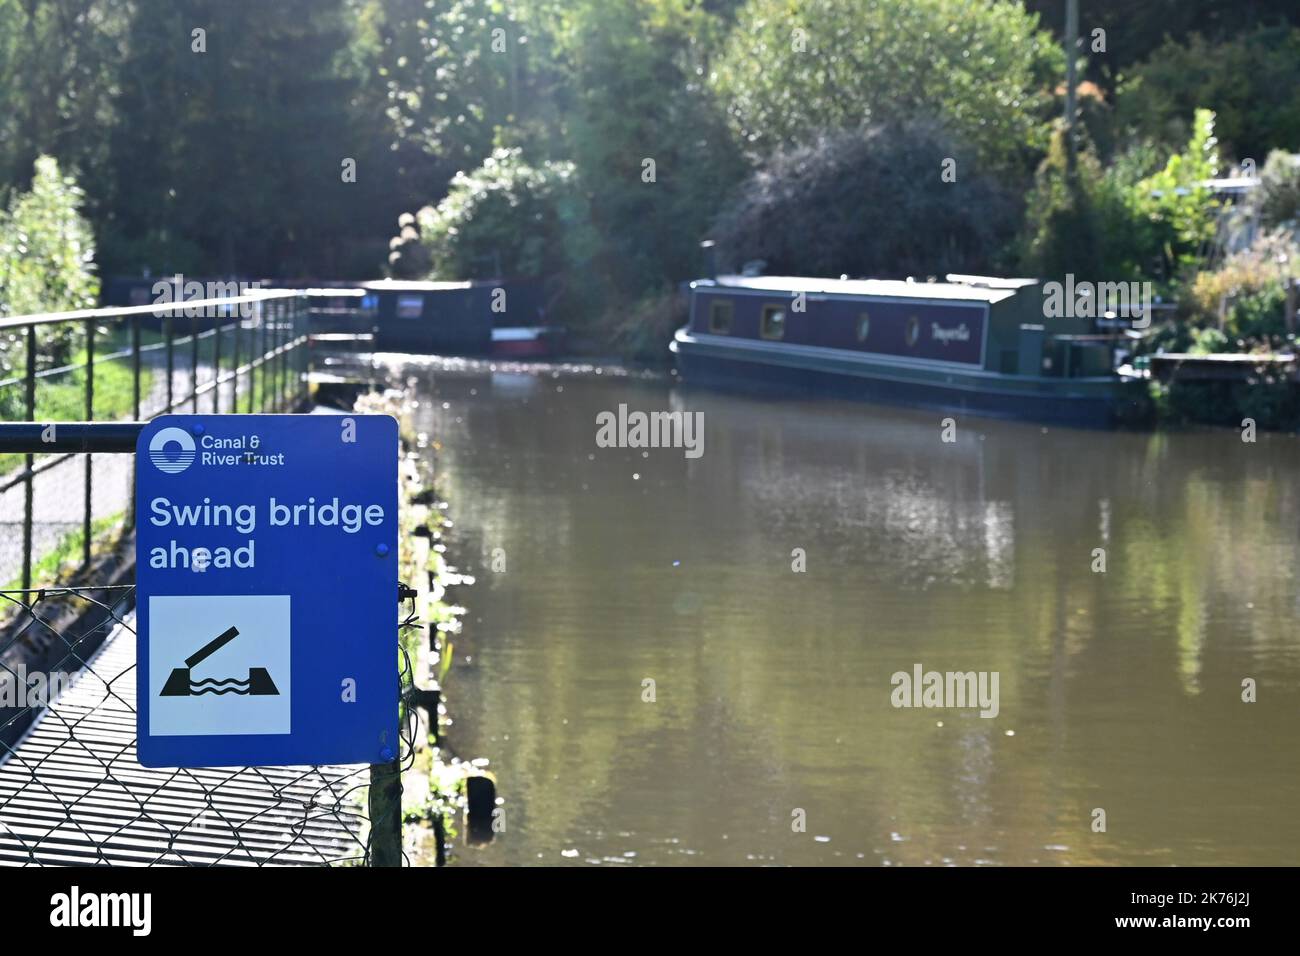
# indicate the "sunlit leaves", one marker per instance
pixel 982 68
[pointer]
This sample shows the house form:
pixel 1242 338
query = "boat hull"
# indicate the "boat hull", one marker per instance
pixel 1083 402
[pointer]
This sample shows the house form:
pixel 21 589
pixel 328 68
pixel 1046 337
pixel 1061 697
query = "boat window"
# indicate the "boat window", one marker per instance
pixel 913 330
pixel 720 318
pixel 773 326
pixel 864 326
pixel 410 306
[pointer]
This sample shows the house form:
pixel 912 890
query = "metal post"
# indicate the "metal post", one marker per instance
pixel 135 397
pixel 385 814
pixel 282 354
pixel 194 364
pixel 171 357
pixel 298 352
pixel 255 398
pixel 1071 56
pixel 234 364
pixel 135 367
pixel 29 459
pixel 90 417
pixel 216 367
pixel 279 356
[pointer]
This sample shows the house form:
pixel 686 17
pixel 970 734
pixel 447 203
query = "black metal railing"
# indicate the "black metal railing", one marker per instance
pixel 247 353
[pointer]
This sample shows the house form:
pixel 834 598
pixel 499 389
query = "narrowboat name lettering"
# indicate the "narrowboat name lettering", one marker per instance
pixel 959 333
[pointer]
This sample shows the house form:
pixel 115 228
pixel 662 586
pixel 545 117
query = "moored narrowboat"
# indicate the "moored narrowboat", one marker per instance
pixel 969 344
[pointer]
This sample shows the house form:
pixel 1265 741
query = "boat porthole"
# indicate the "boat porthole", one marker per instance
pixel 864 326
pixel 913 330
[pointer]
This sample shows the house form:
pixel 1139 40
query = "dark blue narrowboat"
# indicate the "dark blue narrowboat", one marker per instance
pixel 970 344
pixel 500 317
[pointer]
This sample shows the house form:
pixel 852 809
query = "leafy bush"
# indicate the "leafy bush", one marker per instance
pixel 1135 220
pixel 868 202
pixel 1208 341
pixel 1248 286
pixel 47 249
pixel 47 253
pixel 506 218
pixel 1278 197
pixel 1268 398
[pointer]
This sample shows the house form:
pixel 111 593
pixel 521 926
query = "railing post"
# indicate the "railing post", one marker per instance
pixel 171 357
pixel 135 368
pixel 256 399
pixel 194 363
pixel 301 327
pixel 281 340
pixel 234 362
pixel 259 370
pixel 216 366
pixel 29 460
pixel 90 417
pixel 385 814
pixel 135 405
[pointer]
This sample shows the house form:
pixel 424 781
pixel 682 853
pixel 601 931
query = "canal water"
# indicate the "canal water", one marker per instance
pixel 772 737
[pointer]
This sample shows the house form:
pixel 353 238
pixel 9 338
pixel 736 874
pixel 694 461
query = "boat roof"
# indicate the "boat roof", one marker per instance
pixel 399 285
pixel 959 287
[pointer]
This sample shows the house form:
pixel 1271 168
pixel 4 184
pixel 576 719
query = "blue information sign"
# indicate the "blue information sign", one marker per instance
pixel 266 570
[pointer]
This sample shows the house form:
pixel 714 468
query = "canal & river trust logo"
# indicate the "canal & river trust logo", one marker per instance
pixel 171 450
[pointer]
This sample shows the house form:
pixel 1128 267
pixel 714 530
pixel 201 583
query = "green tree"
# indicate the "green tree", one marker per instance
pixel 460 77
pixel 649 142
pixel 1130 31
pixel 1252 83
pixel 228 150
pixel 1063 231
pixel 797 68
pixel 58 60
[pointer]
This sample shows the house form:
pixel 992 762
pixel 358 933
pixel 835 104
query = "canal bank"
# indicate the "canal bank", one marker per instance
pixel 599 569
pixel 448 803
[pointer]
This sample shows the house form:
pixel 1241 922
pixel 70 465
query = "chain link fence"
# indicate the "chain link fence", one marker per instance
pixel 73 793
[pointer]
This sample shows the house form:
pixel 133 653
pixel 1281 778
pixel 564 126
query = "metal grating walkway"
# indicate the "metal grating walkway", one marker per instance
pixel 73 793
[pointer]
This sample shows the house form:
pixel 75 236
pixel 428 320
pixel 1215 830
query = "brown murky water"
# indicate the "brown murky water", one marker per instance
pixel 1119 690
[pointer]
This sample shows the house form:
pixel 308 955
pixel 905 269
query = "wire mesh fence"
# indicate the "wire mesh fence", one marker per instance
pixel 73 793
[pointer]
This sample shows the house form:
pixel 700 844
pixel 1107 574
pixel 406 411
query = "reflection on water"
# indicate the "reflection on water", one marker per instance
pixel 1119 690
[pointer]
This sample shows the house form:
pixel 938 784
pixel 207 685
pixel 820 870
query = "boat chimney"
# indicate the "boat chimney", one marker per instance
pixel 709 257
